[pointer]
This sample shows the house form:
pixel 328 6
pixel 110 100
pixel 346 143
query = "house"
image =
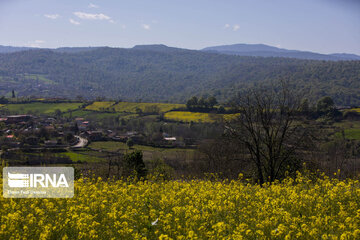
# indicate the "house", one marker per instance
pixel 17 118
pixel 170 139
pixel 94 135
pixel 79 121
pixel 83 127
pixel 51 143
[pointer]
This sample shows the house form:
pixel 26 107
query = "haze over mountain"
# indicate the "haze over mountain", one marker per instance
pixel 160 73
pixel 262 50
pixel 254 50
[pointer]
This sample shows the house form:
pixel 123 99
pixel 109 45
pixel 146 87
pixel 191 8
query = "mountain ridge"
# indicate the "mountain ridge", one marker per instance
pixel 241 49
pixel 262 50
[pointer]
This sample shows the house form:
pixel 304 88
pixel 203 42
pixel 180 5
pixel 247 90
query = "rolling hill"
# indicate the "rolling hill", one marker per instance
pixel 159 73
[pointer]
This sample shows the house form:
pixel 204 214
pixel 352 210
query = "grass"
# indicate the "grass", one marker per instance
pixel 39 77
pixel 41 108
pixel 130 107
pixel 99 106
pixel 150 153
pixel 95 115
pixel 352 134
pixel 84 156
pixel 115 146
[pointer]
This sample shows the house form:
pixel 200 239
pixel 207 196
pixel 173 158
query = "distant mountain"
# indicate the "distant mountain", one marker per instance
pixel 159 73
pixel 74 49
pixel 9 49
pixel 346 56
pixel 158 48
pixel 261 50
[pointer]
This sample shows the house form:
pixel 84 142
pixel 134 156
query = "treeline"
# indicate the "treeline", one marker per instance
pixel 169 75
pixel 202 104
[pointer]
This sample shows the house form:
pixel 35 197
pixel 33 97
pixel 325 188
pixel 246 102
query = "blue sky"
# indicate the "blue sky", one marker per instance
pixel 324 26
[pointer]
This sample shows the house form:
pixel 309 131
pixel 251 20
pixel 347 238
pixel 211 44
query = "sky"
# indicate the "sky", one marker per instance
pixel 324 26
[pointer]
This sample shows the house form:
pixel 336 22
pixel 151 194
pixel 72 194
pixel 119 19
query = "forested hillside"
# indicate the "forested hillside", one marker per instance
pixel 160 73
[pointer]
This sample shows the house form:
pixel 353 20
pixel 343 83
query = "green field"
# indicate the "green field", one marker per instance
pixel 115 146
pixel 39 77
pixel 41 108
pixel 131 107
pixel 96 115
pixel 99 106
pixel 84 156
pixel 150 153
pixel 352 134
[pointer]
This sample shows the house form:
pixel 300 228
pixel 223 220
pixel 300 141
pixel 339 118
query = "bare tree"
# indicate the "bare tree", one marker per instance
pixel 269 129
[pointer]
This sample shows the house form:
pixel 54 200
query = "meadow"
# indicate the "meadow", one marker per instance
pixel 41 108
pixel 351 129
pixel 99 106
pixel 130 107
pixel 298 208
pixel 149 153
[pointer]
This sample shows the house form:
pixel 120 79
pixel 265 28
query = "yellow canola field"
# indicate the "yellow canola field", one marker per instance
pixel 99 106
pixel 131 107
pixel 183 116
pixel 197 209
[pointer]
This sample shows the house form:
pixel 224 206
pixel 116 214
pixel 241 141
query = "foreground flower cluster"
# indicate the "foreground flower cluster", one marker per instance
pixel 293 209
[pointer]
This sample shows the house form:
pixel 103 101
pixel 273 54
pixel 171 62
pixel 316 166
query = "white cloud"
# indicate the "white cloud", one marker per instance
pixel 91 5
pixel 92 16
pixel 227 25
pixel 52 16
pixel 72 21
pixel 36 43
pixel 236 27
pixel 146 26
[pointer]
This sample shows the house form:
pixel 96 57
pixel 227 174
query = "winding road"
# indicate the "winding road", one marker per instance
pixel 82 142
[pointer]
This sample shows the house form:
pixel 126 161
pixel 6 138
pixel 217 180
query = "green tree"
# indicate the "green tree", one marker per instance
pixel 304 106
pixel 211 102
pixel 192 103
pixel 326 107
pixel 134 164
pixel 130 143
pixel 58 113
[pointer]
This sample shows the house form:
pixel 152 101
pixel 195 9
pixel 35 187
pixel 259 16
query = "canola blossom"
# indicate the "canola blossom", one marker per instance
pixel 197 209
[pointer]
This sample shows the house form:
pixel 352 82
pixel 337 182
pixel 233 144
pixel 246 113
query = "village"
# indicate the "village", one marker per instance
pixel 33 132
